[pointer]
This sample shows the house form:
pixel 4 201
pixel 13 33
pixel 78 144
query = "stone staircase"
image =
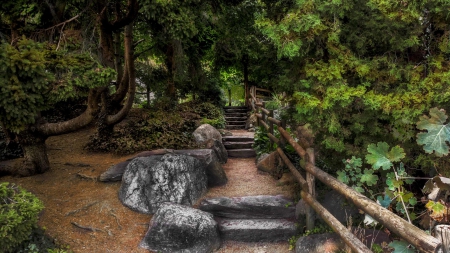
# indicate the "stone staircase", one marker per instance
pixel 253 218
pixel 236 117
pixel 239 146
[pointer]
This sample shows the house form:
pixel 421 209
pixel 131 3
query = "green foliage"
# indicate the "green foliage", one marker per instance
pixel 262 142
pixel 369 181
pixel 19 212
pixel 154 128
pixel 437 136
pixel 350 81
pixel 24 81
pixel 34 77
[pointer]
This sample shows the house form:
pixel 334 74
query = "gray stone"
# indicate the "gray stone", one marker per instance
pixel 250 207
pixel 335 203
pixel 206 132
pixel 115 172
pixel 220 150
pixel 256 230
pixel 150 181
pixel 179 229
pixel 214 170
pixel 319 243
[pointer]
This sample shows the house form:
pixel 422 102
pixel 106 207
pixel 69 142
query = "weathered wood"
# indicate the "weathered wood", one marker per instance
pixel 293 170
pixel 258 103
pixel 274 121
pixel 263 90
pixel 310 216
pixel 347 236
pixel 262 122
pixel 270 115
pixel 258 115
pixel 442 233
pixel 265 111
pixel 410 233
pixel 273 138
pixel 291 141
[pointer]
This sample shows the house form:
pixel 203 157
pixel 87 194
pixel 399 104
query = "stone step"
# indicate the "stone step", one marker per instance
pixel 236 110
pixel 236 118
pixel 256 230
pixel 238 145
pixel 234 127
pixel 241 153
pixel 237 139
pixel 250 207
pixel 235 122
pixel 235 107
pixel 236 114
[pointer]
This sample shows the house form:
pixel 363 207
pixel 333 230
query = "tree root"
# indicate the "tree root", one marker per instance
pixel 81 209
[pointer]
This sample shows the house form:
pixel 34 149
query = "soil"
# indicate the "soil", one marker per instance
pixel 86 215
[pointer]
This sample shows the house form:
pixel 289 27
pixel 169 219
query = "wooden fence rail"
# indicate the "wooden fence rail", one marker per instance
pixel 407 231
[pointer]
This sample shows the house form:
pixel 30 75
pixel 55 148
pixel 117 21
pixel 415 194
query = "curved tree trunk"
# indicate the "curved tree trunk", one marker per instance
pixel 35 154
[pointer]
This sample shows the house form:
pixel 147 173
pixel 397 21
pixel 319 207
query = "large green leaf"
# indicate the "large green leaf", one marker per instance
pixel 380 157
pixel 369 178
pixel 438 133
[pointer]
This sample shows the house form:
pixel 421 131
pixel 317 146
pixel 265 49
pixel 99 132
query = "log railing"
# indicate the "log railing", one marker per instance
pixel 407 231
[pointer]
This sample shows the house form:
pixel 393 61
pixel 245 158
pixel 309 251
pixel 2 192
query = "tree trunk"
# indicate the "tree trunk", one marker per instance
pixel 35 154
pixel 171 91
pixel 229 97
pixel 246 88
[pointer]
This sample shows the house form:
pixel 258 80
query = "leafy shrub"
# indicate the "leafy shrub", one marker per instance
pixel 19 212
pixel 157 128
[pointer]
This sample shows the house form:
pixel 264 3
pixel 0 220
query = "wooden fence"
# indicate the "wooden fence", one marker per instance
pixel 408 232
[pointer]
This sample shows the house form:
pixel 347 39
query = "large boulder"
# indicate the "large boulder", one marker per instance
pixel 214 171
pixel 175 228
pixel 206 132
pixel 273 164
pixel 150 181
pixel 218 148
pixel 213 168
pixel 250 207
pixel 115 172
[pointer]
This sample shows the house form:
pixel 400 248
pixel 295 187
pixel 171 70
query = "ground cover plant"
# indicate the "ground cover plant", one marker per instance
pixel 155 128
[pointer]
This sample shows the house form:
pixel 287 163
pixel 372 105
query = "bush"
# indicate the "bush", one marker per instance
pixel 19 212
pixel 158 128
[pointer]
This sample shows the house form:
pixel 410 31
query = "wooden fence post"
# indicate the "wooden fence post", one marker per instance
pixel 271 128
pixel 310 215
pixel 442 232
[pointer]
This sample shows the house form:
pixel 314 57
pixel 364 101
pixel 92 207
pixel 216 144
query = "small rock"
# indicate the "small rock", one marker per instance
pixel 319 243
pixel 179 229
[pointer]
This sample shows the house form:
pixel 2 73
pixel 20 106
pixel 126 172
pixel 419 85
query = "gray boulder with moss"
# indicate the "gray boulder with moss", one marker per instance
pixel 175 228
pixel 150 181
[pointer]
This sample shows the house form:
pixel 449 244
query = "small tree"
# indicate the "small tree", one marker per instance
pixel 33 78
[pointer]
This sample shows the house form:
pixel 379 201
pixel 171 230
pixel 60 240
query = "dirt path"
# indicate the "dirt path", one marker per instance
pixel 70 198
